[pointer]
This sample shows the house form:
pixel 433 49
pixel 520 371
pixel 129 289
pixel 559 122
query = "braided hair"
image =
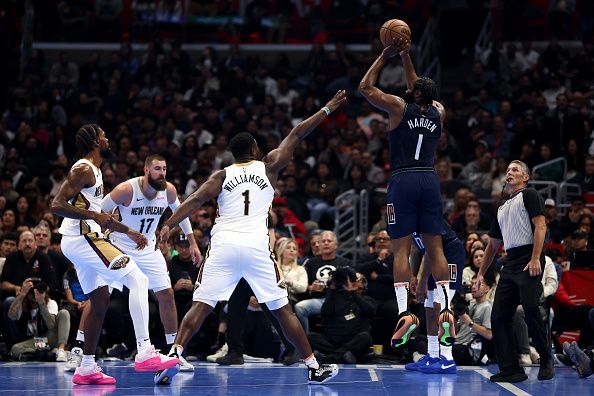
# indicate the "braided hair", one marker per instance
pixel 85 139
pixel 427 88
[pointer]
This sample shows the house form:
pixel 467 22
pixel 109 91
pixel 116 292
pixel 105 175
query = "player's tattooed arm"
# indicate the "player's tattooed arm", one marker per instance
pixel 207 191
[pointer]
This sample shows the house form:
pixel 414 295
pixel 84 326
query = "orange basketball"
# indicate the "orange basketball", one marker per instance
pixel 393 29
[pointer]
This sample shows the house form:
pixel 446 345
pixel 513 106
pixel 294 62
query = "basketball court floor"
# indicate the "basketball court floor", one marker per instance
pixel 274 379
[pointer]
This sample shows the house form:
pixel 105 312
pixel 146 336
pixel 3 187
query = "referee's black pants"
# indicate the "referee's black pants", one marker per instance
pixel 236 315
pixel 516 287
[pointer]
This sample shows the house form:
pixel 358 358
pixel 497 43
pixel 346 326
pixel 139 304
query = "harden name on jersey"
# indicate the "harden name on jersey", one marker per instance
pixel 422 123
pixel 239 179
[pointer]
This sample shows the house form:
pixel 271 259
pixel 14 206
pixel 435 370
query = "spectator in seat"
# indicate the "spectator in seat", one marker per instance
pixel 473 328
pixel 346 315
pixel 35 315
pixel 553 225
pixel 183 275
pixel 23 264
pixel 318 270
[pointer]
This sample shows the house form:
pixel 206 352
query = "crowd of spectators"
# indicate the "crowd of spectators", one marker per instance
pixel 517 103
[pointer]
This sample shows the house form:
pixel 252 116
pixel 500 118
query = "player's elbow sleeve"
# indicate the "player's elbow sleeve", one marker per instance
pixel 107 203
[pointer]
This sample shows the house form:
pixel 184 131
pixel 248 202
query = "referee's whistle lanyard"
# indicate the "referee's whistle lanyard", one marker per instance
pixel 517 192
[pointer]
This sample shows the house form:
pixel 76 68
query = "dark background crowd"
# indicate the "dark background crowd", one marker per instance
pixel 528 96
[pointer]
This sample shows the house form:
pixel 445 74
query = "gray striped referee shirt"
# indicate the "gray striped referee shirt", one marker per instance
pixel 514 219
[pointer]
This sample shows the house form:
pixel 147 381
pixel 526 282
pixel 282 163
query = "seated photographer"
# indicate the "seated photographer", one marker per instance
pixel 473 327
pixel 40 325
pixel 346 315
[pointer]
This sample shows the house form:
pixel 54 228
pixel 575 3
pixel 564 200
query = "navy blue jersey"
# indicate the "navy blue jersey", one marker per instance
pixel 414 140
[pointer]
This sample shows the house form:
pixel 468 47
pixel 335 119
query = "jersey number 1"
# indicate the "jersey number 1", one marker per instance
pixel 246 202
pixel 418 150
pixel 149 223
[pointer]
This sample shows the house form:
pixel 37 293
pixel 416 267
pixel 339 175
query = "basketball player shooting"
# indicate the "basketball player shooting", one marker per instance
pixel 414 198
pixel 239 245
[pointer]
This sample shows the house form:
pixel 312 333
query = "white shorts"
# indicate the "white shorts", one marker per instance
pixel 150 261
pixel 96 260
pixel 232 256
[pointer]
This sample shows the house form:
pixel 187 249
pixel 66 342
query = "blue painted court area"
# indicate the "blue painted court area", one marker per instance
pixel 274 379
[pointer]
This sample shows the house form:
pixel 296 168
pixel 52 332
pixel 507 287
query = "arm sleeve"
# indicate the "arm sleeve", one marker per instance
pixel 107 204
pixel 533 202
pixel 185 224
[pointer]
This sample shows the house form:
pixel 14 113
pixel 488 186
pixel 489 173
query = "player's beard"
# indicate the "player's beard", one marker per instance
pixel 157 184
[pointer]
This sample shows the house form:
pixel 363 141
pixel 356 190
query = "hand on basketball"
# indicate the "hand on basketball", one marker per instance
pixel 402 46
pixel 533 267
pixel 337 100
pixel 390 51
pixel 138 238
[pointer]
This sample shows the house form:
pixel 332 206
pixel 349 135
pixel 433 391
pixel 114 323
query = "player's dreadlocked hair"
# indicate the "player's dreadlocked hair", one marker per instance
pixel 241 145
pixel 428 90
pixel 85 139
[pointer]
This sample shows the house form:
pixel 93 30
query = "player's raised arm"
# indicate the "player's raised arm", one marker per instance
pixel 207 191
pixel 410 75
pixel 280 157
pixel 393 105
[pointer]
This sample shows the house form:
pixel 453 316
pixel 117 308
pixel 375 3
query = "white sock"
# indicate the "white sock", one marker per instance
pixel 170 338
pixel 87 361
pixel 137 282
pixel 80 336
pixel 401 296
pixel 311 362
pixel 433 346
pixel 443 294
pixel 446 352
pixel 142 345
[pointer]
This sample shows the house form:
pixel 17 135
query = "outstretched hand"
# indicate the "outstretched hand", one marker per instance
pixel 337 100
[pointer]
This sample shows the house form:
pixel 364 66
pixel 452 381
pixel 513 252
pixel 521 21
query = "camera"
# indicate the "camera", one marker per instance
pixel 340 275
pixel 459 305
pixel 38 285
pixel 467 289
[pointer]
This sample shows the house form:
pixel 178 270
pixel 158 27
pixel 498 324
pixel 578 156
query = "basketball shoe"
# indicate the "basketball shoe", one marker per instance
pixel 91 376
pixel 322 374
pixel 152 360
pixel 407 324
pixel 447 331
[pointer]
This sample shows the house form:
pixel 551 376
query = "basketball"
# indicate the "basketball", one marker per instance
pixel 393 29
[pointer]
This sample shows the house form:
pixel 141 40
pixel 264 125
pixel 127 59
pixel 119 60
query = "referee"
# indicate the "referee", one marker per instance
pixel 521 227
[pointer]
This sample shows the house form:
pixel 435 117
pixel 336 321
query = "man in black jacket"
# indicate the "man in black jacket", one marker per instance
pixel 346 314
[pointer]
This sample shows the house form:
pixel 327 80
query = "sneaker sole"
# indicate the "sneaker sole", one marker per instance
pixel 164 377
pixel 326 380
pixel 446 338
pixel 398 342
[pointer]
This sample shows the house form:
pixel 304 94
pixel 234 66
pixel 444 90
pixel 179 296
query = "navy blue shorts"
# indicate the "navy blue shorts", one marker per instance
pixel 455 255
pixel 414 204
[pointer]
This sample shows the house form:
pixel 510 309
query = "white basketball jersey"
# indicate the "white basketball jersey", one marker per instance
pixel 88 198
pixel 143 214
pixel 244 200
